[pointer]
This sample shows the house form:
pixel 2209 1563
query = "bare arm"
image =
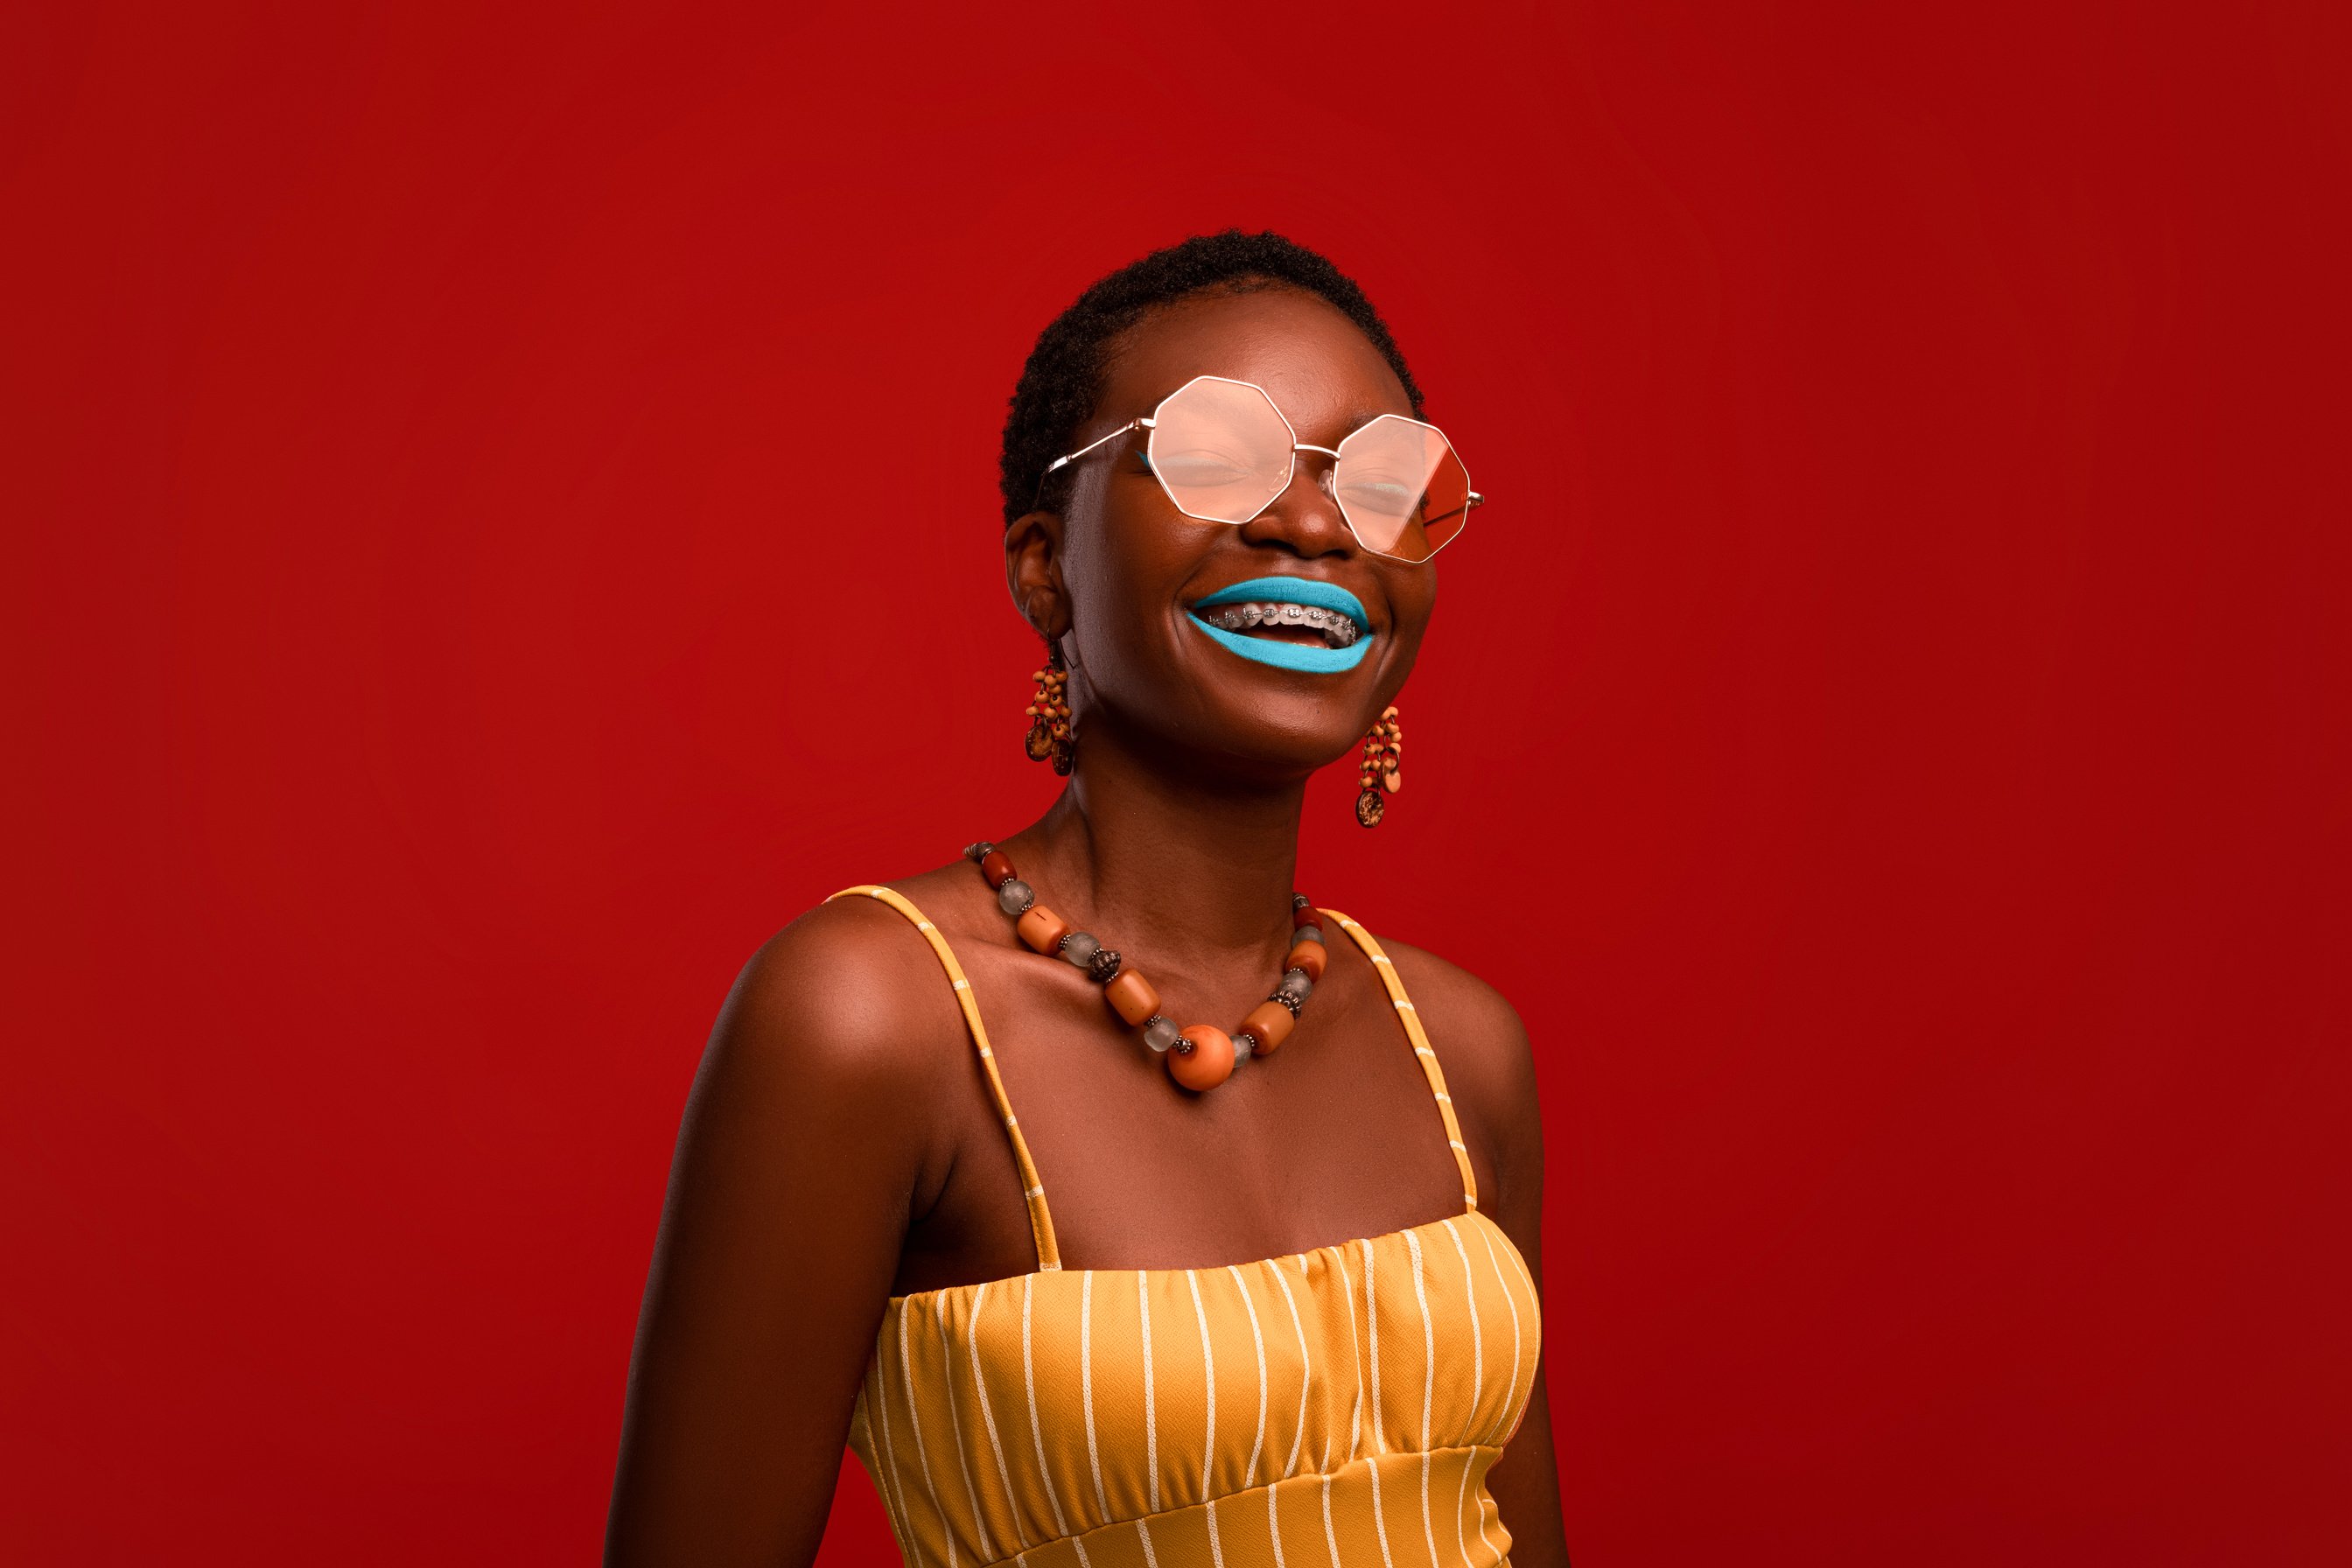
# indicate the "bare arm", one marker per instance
pixel 798 1163
pixel 1526 1479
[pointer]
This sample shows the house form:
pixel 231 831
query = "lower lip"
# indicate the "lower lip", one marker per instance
pixel 1306 658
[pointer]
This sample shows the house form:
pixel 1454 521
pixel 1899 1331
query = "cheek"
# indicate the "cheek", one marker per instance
pixel 1125 567
pixel 1121 581
pixel 1413 598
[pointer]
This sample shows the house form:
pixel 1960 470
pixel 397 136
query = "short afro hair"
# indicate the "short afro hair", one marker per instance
pixel 1063 381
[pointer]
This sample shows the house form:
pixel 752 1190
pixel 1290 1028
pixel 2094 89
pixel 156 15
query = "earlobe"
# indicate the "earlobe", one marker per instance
pixel 1033 572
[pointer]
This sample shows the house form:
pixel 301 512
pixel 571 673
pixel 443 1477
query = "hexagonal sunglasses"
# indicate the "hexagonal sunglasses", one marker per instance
pixel 1223 452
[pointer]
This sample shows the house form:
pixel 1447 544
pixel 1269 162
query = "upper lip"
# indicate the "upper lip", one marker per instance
pixel 1312 591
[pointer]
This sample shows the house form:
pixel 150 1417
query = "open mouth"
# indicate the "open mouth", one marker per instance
pixel 1309 624
pixel 1292 623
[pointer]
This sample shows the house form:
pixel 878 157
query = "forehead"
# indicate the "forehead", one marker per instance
pixel 1322 371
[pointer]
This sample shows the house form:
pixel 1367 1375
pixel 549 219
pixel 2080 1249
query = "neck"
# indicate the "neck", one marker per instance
pixel 1192 868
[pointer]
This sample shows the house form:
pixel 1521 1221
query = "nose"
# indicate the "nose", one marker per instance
pixel 1304 518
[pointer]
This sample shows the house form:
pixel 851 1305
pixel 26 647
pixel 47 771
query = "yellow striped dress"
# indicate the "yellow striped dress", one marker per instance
pixel 1337 1408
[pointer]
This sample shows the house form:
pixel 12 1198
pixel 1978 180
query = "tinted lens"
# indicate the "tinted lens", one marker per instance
pixel 1220 449
pixel 1403 490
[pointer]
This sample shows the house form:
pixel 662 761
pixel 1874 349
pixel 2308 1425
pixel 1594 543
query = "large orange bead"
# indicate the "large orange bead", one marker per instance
pixel 997 867
pixel 1270 1023
pixel 1308 956
pixel 1132 997
pixel 1208 1064
pixel 1042 928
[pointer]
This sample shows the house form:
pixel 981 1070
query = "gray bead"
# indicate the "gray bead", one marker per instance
pixel 1244 1046
pixel 1296 983
pixel 1306 933
pixel 1160 1034
pixel 1079 948
pixel 1015 897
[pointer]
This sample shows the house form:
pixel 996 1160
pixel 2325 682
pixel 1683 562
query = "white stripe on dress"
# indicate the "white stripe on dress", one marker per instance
pixel 1512 1397
pixel 1461 1541
pixel 899 1520
pixel 1209 1377
pixel 1478 1340
pixel 1037 1433
pixel 1372 1327
pixel 1428 1388
pixel 1209 1444
pixel 914 1419
pixel 1428 1530
pixel 1380 1516
pixel 1249 1476
pixel 1535 1305
pixel 987 1416
pixel 955 1426
pixel 1151 1419
pixel 1086 1384
pixel 1305 1370
pixel 1484 1500
pixel 1380 1437
pixel 1428 1338
pixel 1355 1354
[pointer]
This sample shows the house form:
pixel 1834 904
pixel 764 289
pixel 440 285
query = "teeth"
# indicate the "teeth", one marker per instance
pixel 1339 630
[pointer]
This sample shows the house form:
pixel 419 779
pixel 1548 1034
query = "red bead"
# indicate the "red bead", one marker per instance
pixel 1306 915
pixel 1208 1064
pixel 997 867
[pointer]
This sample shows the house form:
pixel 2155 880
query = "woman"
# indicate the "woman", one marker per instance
pixel 1012 1173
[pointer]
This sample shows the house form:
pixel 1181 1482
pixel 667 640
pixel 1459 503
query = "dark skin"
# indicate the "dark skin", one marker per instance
pixel 840 1146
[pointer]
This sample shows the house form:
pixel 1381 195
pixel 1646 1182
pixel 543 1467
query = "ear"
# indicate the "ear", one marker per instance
pixel 1032 571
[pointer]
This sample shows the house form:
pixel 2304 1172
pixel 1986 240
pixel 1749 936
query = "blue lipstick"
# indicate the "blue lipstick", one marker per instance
pixel 1303 657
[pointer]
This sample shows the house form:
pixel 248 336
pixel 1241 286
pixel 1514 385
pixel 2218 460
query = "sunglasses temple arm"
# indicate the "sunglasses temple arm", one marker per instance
pixel 1066 461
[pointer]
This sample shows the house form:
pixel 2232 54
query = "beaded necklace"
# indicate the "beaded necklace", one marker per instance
pixel 1201 1055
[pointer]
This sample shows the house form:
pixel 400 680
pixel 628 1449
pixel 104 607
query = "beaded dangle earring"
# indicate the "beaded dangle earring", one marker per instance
pixel 1383 769
pixel 1049 716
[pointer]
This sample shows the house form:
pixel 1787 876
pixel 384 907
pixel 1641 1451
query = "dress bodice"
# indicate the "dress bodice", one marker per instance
pixel 1339 1406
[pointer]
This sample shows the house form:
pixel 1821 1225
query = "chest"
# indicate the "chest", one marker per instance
pixel 1337 1134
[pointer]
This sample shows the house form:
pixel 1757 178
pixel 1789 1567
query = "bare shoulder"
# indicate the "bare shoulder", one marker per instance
pixel 848 998
pixel 1470 1022
pixel 1483 1047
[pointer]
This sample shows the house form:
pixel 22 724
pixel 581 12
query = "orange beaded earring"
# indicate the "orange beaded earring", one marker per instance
pixel 1049 716
pixel 1383 769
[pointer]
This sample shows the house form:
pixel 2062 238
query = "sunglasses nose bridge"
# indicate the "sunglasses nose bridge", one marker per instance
pixel 1326 480
pixel 1309 527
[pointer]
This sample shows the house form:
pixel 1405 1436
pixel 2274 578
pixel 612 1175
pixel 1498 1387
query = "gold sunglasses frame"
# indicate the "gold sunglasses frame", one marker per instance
pixel 1152 422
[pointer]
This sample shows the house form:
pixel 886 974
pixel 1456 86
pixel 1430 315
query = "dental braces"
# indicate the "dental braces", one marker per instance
pixel 1339 629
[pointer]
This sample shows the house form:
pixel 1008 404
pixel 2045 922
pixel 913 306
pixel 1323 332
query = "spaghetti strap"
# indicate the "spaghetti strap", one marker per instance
pixel 1040 1222
pixel 1422 1050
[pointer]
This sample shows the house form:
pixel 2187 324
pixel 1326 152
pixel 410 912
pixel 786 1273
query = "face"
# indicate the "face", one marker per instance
pixel 1124 568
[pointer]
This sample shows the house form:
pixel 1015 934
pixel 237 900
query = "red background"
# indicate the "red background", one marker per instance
pixel 500 516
